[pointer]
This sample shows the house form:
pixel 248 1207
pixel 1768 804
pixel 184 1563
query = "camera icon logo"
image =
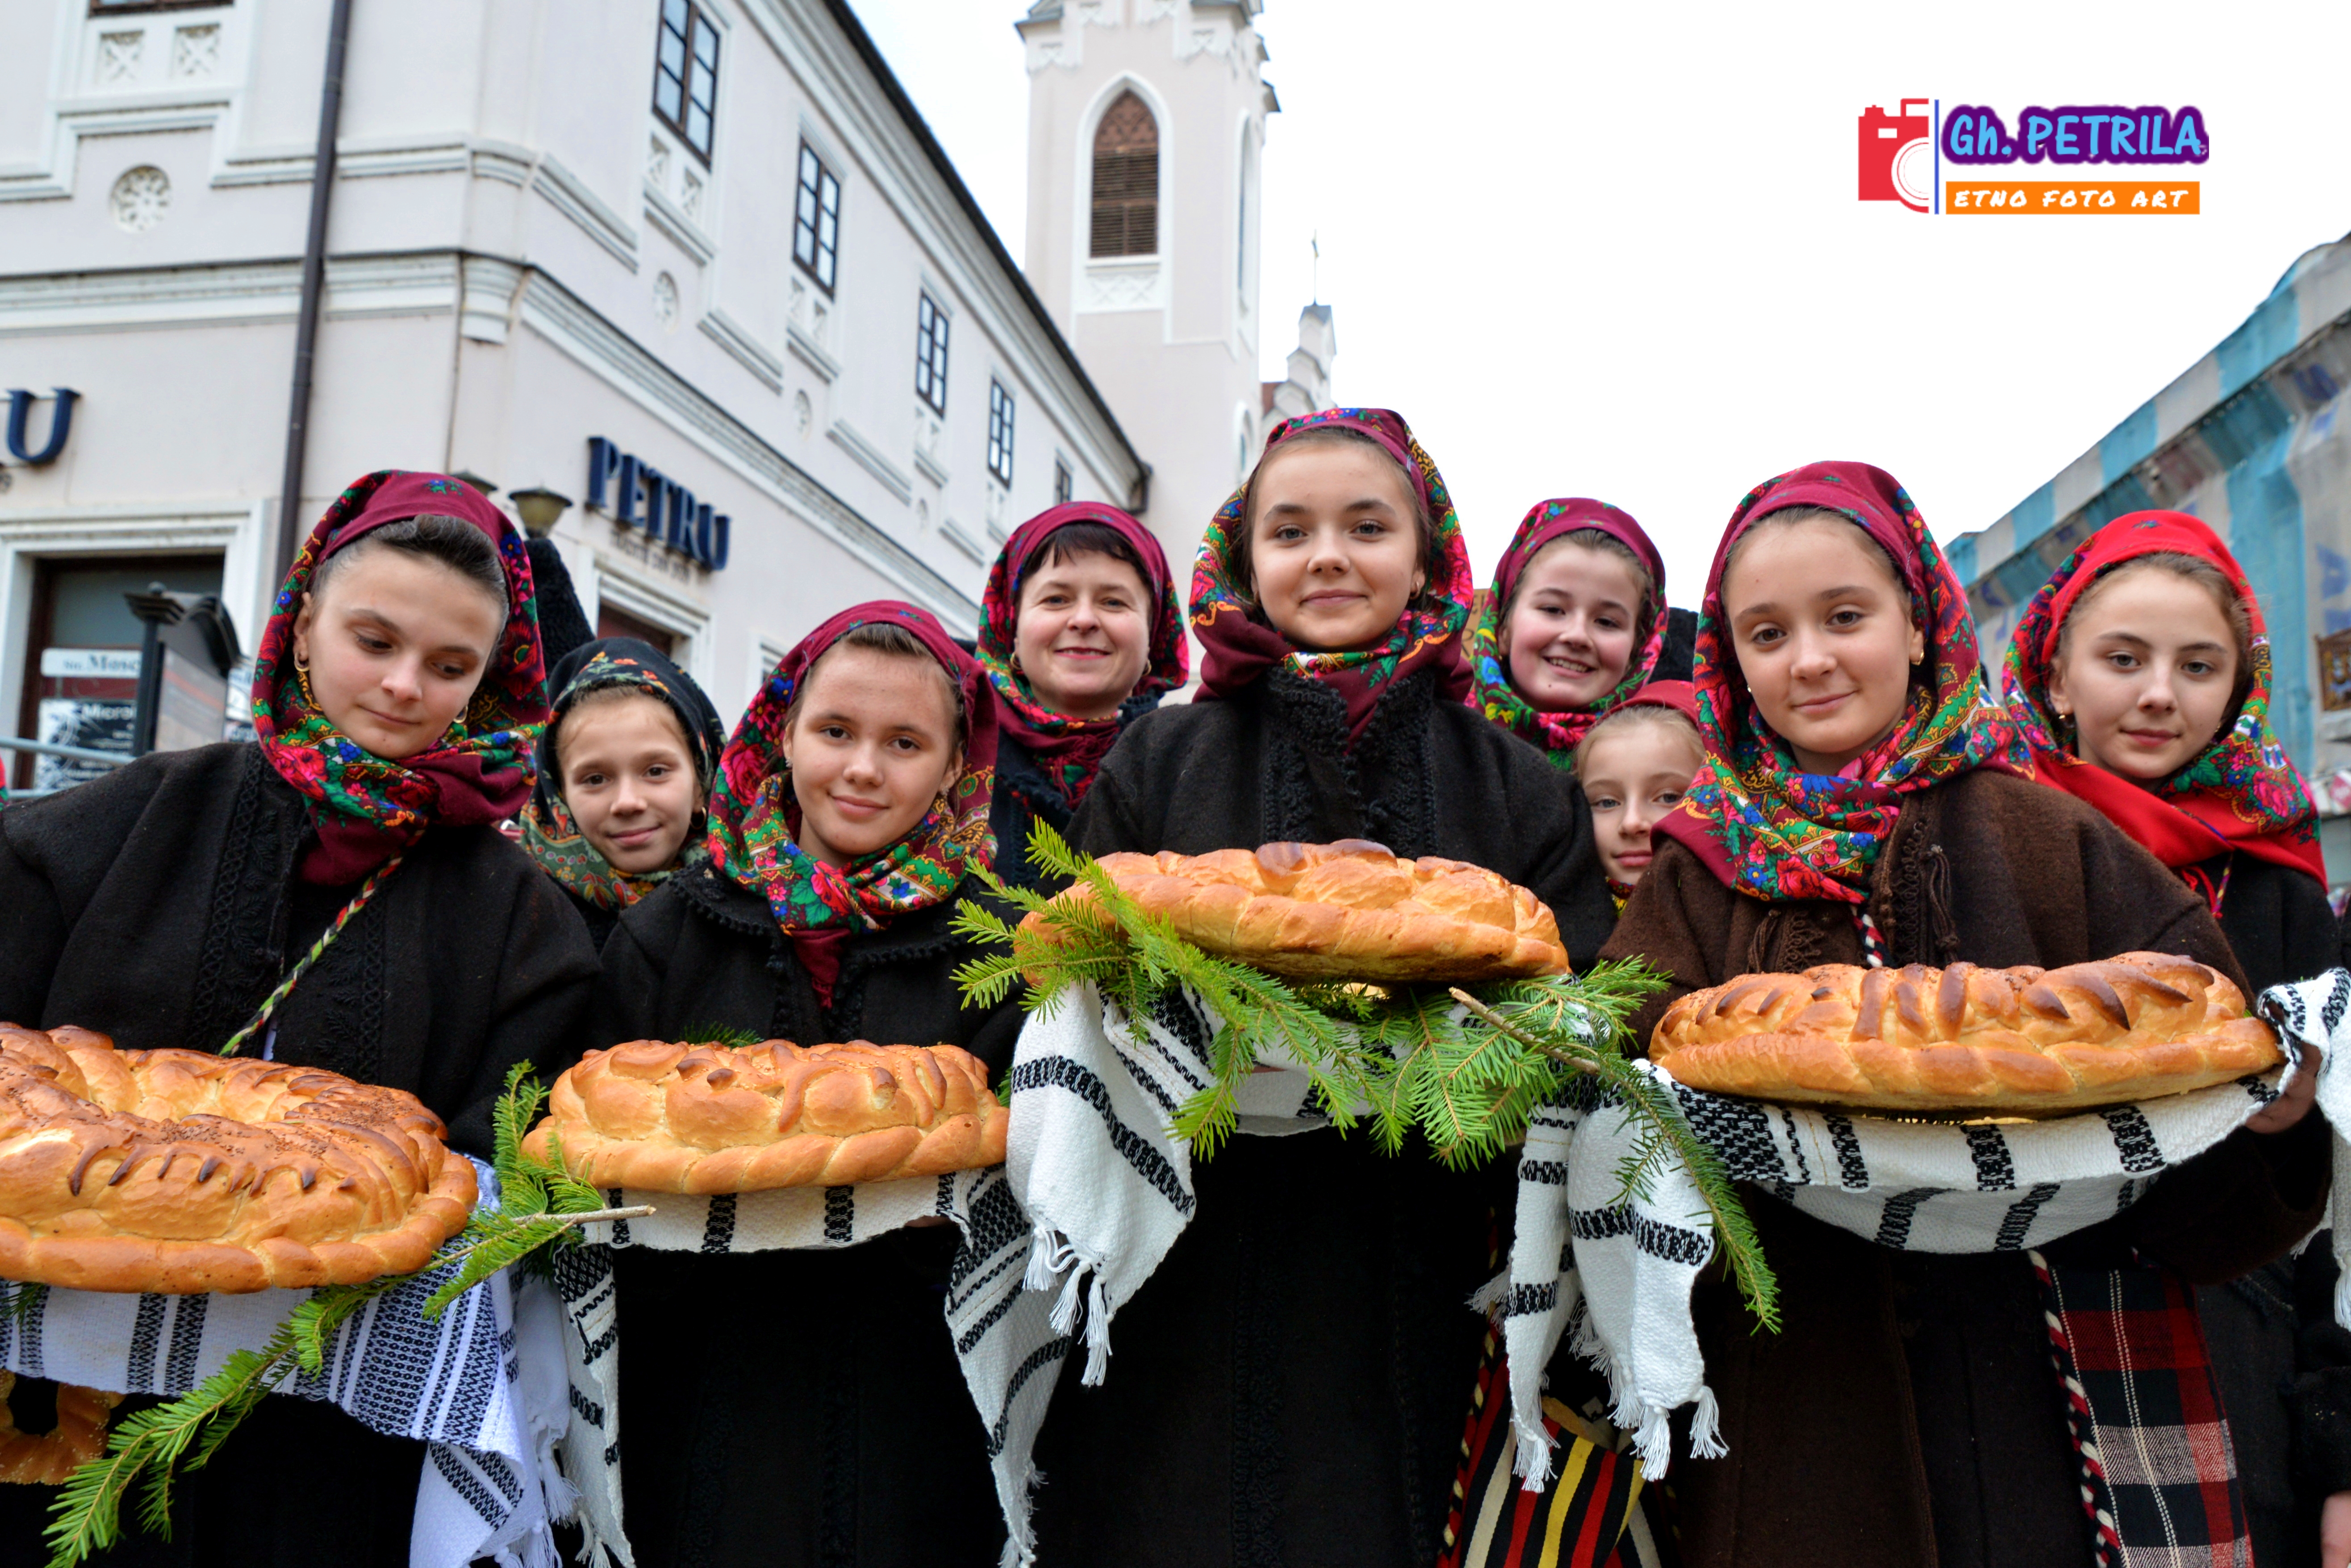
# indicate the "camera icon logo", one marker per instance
pixel 1897 156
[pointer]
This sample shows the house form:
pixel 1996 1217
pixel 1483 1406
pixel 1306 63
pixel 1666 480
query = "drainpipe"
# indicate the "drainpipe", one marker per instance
pixel 314 286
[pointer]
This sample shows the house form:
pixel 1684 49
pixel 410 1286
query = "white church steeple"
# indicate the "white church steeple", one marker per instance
pixel 1146 123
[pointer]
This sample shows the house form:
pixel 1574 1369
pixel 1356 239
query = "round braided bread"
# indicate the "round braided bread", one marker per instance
pixel 181 1171
pixel 1346 910
pixel 2021 1042
pixel 659 1117
pixel 47 1459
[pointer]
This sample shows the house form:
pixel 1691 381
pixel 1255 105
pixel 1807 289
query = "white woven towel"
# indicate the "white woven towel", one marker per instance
pixel 451 1385
pixel 1619 1272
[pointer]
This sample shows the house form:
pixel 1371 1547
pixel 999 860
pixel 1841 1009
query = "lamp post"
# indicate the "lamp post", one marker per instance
pixel 156 608
pixel 540 507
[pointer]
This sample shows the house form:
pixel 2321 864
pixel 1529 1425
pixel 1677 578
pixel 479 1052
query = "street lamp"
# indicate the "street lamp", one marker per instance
pixel 476 481
pixel 540 507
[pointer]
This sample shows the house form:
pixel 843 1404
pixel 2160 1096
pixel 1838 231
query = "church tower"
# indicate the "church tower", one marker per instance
pixel 1146 120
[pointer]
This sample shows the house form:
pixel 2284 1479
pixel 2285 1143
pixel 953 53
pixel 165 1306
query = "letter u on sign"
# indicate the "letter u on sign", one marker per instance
pixel 20 410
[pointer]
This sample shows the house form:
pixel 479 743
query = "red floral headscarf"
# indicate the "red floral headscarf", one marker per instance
pixel 1071 750
pixel 2242 792
pixel 1557 733
pixel 365 808
pixel 1238 647
pixel 1771 831
pixel 755 820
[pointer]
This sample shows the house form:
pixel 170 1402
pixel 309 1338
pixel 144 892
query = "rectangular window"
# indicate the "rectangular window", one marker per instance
pixel 816 220
pixel 999 432
pixel 1063 483
pixel 931 354
pixel 685 74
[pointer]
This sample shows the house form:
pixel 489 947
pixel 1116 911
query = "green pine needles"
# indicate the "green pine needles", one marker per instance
pixel 541 1204
pixel 1463 1069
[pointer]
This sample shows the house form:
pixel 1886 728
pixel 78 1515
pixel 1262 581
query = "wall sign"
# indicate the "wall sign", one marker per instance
pixel 639 496
pixel 20 409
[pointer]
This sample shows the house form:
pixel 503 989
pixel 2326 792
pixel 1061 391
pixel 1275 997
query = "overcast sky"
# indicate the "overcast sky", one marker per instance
pixel 1616 250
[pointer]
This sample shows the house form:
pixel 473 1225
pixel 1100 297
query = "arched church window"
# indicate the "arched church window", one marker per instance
pixel 1126 181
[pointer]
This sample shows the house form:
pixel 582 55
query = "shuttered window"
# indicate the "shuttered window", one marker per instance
pixel 1126 181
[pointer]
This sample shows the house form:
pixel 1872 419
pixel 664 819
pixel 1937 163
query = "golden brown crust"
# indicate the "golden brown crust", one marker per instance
pixel 47 1459
pixel 183 1173
pixel 659 1117
pixel 2022 1041
pixel 1344 910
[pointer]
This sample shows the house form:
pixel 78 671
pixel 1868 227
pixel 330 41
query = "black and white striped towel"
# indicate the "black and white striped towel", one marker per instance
pixel 1618 1272
pixel 805 1216
pixel 1105 1186
pixel 452 1384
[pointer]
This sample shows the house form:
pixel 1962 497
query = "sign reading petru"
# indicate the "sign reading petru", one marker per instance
pixel 639 496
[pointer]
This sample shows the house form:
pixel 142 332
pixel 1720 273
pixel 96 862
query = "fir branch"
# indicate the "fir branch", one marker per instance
pixel 20 1299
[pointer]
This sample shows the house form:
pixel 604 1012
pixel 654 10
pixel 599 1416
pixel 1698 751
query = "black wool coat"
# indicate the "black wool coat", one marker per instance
pixel 1024 796
pixel 796 1409
pixel 159 904
pixel 1908 1413
pixel 1290 1386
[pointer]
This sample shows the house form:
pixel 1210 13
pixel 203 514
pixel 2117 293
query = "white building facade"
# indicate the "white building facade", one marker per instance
pixel 696 262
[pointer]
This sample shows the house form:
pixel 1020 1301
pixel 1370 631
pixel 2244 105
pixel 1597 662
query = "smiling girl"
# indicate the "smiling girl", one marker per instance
pixel 1574 624
pixel 352 849
pixel 1288 1385
pixel 1080 634
pixel 851 802
pixel 1862 803
pixel 623 766
pixel 1635 765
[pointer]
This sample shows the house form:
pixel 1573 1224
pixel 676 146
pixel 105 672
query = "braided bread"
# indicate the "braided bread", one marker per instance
pixel 1346 910
pixel 2022 1041
pixel 182 1172
pixel 47 1459
pixel 714 1118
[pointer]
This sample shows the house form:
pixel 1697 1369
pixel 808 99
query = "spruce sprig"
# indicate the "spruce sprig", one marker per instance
pixel 540 1203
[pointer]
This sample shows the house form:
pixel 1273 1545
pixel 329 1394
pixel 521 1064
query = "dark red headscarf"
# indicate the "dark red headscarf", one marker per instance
pixel 1238 647
pixel 1494 695
pixel 367 807
pixel 2240 792
pixel 755 818
pixel 1071 750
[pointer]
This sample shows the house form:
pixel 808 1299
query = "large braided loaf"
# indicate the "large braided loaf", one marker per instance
pixel 181 1171
pixel 712 1118
pixel 2021 1042
pixel 1346 910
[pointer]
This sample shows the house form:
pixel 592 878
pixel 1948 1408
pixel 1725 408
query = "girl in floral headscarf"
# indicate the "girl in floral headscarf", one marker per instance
pixel 1291 1378
pixel 1080 633
pixel 1863 802
pixel 335 894
pixel 849 811
pixel 1573 624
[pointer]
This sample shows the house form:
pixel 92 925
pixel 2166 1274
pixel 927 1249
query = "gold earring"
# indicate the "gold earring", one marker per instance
pixel 1016 663
pixel 302 680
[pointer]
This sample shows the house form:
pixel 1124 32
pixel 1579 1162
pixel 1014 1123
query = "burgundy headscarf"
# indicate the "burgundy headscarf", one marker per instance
pixel 1238 647
pixel 1071 750
pixel 365 808
pixel 1495 695
pixel 755 818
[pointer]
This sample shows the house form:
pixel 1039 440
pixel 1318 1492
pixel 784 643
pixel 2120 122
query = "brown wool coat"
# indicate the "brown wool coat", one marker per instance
pixel 1907 1413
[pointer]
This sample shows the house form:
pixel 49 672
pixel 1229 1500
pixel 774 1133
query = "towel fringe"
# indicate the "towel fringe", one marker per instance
pixel 1050 1256
pixel 1097 1332
pixel 1706 1428
pixel 1488 1297
pixel 1656 1442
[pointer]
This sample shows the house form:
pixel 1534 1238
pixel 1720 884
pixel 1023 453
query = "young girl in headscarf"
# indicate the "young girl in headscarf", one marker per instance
pixel 795 1408
pixel 1287 1385
pixel 1082 634
pixel 2140 677
pixel 1635 765
pixel 625 765
pixel 352 848
pixel 1862 803
pixel 1574 624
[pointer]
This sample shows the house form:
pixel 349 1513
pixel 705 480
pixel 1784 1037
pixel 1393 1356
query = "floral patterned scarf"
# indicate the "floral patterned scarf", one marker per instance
pixel 1238 647
pixel 1493 693
pixel 548 832
pixel 1761 824
pixel 2242 792
pixel 1071 750
pixel 755 820
pixel 367 808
